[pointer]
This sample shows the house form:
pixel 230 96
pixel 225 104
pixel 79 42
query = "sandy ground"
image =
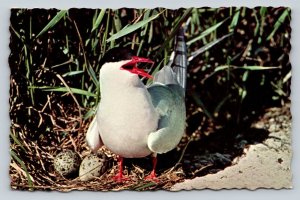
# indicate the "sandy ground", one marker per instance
pixel 264 165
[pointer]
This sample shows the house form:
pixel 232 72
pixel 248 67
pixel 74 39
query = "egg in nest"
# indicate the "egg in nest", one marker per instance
pixel 67 163
pixel 93 165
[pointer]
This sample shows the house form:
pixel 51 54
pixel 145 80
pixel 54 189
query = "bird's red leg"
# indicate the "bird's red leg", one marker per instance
pixel 152 175
pixel 119 177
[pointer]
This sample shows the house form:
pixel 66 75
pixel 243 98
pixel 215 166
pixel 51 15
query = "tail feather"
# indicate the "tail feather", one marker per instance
pixel 179 63
pixel 175 72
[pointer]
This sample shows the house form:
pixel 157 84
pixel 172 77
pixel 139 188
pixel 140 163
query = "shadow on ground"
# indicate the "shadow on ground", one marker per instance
pixel 208 155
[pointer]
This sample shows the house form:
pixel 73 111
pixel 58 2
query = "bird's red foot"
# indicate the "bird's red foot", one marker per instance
pixel 152 177
pixel 120 178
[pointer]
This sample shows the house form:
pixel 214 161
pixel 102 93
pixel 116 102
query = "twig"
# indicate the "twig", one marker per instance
pixel 71 93
pixel 181 156
pixel 202 168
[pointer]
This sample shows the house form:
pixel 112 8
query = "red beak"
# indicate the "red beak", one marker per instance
pixel 133 66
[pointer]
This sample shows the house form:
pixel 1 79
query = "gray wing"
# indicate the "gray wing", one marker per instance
pixel 169 102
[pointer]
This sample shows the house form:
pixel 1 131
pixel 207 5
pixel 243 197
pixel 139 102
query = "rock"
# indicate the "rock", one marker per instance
pixel 92 166
pixel 272 128
pixel 66 163
pixel 263 165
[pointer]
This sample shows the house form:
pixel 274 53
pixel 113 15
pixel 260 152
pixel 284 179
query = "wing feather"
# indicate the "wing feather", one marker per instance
pixel 169 102
pixel 93 138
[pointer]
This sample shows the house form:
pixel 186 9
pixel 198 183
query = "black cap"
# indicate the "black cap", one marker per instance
pixel 117 54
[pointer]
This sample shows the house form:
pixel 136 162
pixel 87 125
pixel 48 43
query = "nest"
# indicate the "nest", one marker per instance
pixel 31 166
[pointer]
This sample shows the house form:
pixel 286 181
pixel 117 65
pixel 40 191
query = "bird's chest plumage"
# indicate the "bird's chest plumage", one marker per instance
pixel 125 120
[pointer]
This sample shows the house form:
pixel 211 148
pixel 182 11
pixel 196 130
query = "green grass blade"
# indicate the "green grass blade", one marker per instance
pixel 99 19
pixel 17 141
pixel 183 18
pixel 146 16
pixel 130 28
pixel 195 20
pixel 254 68
pixel 150 33
pixel 73 90
pixel 150 81
pixel 53 21
pixel 222 102
pixel 280 20
pixel 206 32
pixel 16 33
pixel 287 76
pixel 242 93
pixel 64 89
pixel 200 103
pixel 257 26
pixel 146 185
pixel 143 33
pixel 117 21
pixel 235 20
pixel 72 73
pixel 263 11
pixel 90 113
pixel 207 46
pixel 245 76
pixel 93 75
pixel 14 155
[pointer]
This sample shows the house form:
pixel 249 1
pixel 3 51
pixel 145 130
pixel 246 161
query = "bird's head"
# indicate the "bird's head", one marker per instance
pixel 121 61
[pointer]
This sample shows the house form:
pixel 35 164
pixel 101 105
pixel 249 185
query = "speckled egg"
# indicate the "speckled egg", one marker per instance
pixel 66 163
pixel 92 166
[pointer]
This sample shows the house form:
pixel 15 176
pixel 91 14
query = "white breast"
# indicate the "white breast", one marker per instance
pixel 126 115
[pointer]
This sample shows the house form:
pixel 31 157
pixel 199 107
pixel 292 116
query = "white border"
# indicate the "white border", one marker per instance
pixel 5 191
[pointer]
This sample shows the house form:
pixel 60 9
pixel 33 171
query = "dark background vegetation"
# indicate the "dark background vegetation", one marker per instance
pixel 55 61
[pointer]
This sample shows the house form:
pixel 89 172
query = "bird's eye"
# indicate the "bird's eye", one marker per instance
pixel 128 67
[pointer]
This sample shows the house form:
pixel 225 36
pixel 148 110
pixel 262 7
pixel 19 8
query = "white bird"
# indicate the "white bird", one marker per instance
pixel 134 120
